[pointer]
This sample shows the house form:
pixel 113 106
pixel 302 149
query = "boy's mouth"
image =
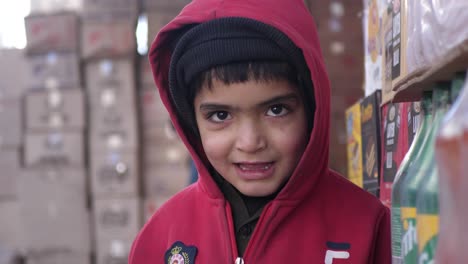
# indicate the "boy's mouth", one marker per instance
pixel 254 166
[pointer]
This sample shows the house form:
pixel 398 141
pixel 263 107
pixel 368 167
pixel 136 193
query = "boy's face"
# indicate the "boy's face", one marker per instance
pixel 253 133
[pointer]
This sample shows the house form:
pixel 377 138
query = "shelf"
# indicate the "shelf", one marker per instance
pixel 411 87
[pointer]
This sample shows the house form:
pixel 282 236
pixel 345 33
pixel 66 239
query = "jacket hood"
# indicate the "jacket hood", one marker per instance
pixel 293 19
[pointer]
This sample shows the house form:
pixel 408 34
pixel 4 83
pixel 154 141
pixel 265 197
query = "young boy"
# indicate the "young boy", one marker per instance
pixel 247 91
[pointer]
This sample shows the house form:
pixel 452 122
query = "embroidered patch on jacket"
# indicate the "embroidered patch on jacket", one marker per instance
pixel 336 251
pixel 179 253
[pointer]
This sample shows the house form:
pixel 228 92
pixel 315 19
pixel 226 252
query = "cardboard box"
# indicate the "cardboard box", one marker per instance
pixel 166 5
pixel 354 144
pixel 10 123
pixel 61 70
pixel 395 146
pixel 57 109
pixel 95 7
pixel 10 165
pixel 157 20
pixel 114 129
pixel 58 256
pixel 394 37
pixel 11 235
pixel 163 133
pixel 163 153
pixel 53 210
pixel 108 38
pixel 13 63
pixel 8 256
pixel 111 82
pixel 145 74
pixel 52 6
pixel 165 179
pixel 115 251
pixel 370 134
pixel 52 32
pixel 116 218
pixel 114 173
pixel 153 112
pixel 111 86
pixel 62 148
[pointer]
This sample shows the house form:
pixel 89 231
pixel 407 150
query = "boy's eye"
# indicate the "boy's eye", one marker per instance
pixel 277 110
pixel 219 116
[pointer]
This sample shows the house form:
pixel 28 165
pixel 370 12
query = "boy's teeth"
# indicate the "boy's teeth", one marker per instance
pixel 255 166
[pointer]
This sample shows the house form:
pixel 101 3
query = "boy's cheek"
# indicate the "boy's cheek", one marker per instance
pixel 215 145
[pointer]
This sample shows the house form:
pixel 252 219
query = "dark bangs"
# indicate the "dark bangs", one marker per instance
pixel 264 71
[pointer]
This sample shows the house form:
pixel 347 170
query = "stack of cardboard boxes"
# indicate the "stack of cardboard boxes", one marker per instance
pixel 12 83
pixel 52 188
pixel 166 162
pixel 74 190
pixel 109 51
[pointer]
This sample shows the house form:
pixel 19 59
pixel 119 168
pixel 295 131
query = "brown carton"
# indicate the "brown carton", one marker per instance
pixel 63 69
pixel 165 179
pixel 10 123
pixel 52 32
pixel 114 173
pixel 13 63
pixel 10 165
pixel 168 5
pixel 108 38
pixel 116 218
pixel 55 109
pixel 62 148
pixel 11 229
pixel 111 82
pixel 54 215
pixel 156 21
pixel 153 111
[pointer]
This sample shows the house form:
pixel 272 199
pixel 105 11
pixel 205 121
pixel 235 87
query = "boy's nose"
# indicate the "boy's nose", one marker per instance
pixel 250 137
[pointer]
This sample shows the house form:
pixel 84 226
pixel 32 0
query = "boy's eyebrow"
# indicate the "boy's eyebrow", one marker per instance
pixel 214 106
pixel 279 98
pixel 276 99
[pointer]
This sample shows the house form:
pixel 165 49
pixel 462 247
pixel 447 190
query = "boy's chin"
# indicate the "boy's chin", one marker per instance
pixel 257 192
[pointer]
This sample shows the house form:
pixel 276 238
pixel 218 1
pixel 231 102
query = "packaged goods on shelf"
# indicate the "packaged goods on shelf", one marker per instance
pixel 370 133
pixel 394 145
pixel 373 45
pixel 415 210
pixel 354 143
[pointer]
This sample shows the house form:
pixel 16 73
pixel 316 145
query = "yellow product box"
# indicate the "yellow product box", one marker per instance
pixel 354 143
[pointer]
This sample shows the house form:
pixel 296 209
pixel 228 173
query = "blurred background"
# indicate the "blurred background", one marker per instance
pixel 87 150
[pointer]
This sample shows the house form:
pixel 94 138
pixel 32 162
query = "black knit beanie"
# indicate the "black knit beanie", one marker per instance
pixel 231 40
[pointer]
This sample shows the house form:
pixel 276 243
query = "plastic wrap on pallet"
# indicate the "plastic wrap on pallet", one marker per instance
pixel 434 28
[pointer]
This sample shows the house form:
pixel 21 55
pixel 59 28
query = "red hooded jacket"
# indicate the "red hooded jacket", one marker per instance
pixel 318 217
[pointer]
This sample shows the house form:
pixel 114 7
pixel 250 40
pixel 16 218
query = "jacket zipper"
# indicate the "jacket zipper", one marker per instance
pixel 230 235
pixel 239 260
pixel 258 228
